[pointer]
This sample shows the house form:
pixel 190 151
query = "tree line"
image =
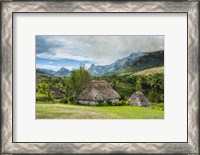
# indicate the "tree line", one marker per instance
pixel 152 86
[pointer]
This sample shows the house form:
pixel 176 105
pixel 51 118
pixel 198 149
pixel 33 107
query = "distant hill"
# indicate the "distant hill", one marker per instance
pixel 48 71
pixel 153 59
pixel 135 62
pixel 40 75
pixel 62 72
pixel 117 65
pixel 39 71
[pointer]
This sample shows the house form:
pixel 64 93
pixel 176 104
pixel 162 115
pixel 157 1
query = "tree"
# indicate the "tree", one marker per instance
pixel 79 79
pixel 156 82
pixel 59 86
pixel 138 85
pixel 114 84
pixel 154 97
pixel 43 88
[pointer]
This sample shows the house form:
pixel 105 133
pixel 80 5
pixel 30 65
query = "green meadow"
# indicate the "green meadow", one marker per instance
pixel 65 111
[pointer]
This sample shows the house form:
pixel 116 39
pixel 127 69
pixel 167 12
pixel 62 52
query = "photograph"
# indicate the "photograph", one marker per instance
pixel 99 76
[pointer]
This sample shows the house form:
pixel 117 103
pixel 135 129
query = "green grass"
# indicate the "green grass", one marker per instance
pixel 64 111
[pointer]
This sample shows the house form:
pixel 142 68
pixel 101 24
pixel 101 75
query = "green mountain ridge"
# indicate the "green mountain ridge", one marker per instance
pixel 62 72
pixel 153 59
pixel 150 60
pixel 136 62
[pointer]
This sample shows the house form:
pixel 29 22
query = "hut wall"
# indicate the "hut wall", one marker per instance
pixel 138 102
pixel 87 102
pixel 114 100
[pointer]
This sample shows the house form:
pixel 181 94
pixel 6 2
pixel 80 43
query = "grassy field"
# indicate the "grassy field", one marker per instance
pixel 145 72
pixel 64 111
pixel 151 71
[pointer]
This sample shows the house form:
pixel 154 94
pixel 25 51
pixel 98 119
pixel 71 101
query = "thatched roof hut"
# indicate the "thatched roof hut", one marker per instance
pixel 57 94
pixel 98 91
pixel 138 99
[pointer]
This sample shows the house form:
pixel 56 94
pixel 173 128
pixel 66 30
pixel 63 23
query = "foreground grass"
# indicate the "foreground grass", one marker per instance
pixel 64 111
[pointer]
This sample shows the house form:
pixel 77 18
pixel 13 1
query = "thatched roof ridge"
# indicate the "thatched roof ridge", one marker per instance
pixel 57 94
pixel 138 98
pixel 98 90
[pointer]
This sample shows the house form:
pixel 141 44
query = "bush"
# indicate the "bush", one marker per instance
pixel 64 100
pixel 44 99
pixel 121 103
pixel 128 102
pixel 71 99
pixel 110 103
pixel 154 97
pixel 162 98
pixel 157 106
pixel 102 103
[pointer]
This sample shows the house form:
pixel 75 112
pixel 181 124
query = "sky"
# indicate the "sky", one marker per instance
pixel 54 52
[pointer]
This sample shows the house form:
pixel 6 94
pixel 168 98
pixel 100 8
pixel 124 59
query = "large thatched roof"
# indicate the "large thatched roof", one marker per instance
pixel 57 94
pixel 98 91
pixel 138 99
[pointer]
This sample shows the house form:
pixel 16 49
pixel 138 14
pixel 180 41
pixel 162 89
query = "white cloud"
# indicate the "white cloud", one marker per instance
pixel 99 49
pixel 51 67
pixel 61 55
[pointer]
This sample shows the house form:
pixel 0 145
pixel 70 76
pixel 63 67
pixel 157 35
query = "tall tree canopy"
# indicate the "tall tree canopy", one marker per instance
pixel 79 80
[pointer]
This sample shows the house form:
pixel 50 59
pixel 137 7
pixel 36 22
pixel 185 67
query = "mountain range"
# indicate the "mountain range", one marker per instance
pixel 47 71
pixel 117 65
pixel 150 60
pixel 62 72
pixel 136 61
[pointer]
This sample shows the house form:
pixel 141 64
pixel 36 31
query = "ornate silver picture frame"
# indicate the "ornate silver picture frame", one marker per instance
pixel 9 8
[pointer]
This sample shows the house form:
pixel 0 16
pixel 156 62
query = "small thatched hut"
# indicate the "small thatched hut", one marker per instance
pixel 57 94
pixel 138 99
pixel 98 91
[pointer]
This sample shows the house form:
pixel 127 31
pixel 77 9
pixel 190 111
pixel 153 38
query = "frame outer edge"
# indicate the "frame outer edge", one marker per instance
pixel 6 78
pixel 193 78
pixel 1 76
pixel 98 6
pixel 9 147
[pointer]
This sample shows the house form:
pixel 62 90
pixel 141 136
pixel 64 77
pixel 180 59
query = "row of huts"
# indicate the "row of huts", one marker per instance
pixel 100 90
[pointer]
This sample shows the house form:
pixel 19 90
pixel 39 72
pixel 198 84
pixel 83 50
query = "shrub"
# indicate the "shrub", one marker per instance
pixel 109 103
pixel 128 102
pixel 64 100
pixel 114 104
pixel 124 102
pixel 157 106
pixel 162 98
pixel 44 99
pixel 71 99
pixel 102 103
pixel 153 97
pixel 121 103
pixel 69 102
